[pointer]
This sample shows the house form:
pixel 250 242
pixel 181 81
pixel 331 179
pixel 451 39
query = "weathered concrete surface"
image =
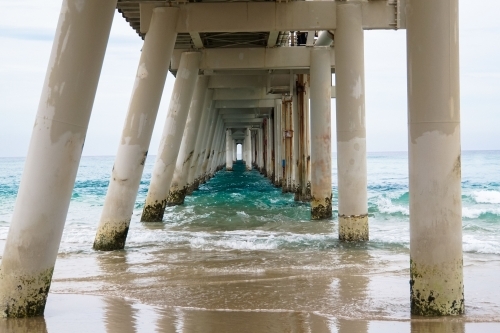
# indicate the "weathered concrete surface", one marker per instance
pixel 201 141
pixel 436 270
pixel 137 131
pixel 214 128
pixel 53 156
pixel 229 150
pixel 248 149
pixel 351 129
pixel 321 208
pixel 321 160
pixel 353 228
pixel 171 138
pixel 111 235
pixel 179 182
pixel 176 196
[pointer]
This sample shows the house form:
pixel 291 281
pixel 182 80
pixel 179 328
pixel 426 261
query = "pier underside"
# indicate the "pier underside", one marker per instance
pixel 255 74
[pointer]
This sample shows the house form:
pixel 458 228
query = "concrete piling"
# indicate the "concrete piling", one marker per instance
pixel 351 129
pixel 53 156
pixel 163 171
pixel 229 150
pixel 321 160
pixel 178 186
pixel 136 136
pixel 436 266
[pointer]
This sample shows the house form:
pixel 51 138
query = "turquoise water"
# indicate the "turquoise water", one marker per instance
pixel 242 210
pixel 239 244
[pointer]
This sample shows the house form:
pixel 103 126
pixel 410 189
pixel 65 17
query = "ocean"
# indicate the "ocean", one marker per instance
pixel 238 245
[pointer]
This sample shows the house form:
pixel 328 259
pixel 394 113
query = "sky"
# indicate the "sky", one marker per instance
pixel 27 31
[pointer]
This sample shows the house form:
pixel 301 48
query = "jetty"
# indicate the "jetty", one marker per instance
pixel 256 74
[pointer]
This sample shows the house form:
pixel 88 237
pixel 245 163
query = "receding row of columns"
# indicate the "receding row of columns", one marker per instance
pixel 292 146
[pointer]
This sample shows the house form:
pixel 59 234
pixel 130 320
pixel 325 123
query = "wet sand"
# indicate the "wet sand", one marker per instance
pixel 349 289
pixel 87 313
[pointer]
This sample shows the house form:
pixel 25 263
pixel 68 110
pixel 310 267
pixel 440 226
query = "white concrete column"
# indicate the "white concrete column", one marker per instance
pixel 221 160
pixel 229 150
pixel 201 138
pixel 269 148
pixel 178 186
pixel 215 148
pixel 303 110
pixel 286 145
pixel 278 163
pixel 248 149
pixel 253 134
pixel 206 142
pixel 178 110
pixel 321 160
pixel 212 150
pixel 136 136
pixel 53 156
pixel 351 129
pixel 208 151
pixel 436 266
pixel 261 150
pixel 234 150
pixel 295 188
pixel 307 132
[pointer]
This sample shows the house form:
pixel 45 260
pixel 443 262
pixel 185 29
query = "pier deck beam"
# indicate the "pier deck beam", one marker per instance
pixel 136 136
pixel 321 160
pixel 351 129
pixel 53 157
pixel 178 110
pixel 436 267
pixel 178 186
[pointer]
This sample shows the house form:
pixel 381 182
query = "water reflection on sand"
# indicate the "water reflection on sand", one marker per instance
pixel 85 313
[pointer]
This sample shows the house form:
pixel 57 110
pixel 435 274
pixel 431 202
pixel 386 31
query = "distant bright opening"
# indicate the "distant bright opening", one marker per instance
pixel 238 151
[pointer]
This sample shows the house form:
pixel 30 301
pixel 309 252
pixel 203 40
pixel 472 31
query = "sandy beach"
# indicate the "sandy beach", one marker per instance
pixel 353 289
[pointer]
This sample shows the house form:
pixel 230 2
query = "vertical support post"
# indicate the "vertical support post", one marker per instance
pixel 277 143
pixel 295 140
pixel 235 158
pixel 53 157
pixel 269 149
pixel 261 150
pixel 215 148
pixel 307 124
pixel 248 149
pixel 436 264
pixel 351 129
pixel 178 110
pixel 321 160
pixel 178 186
pixel 136 136
pixel 207 141
pixel 229 150
pixel 303 110
pixel 285 146
pixel 201 137
pixel 208 153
